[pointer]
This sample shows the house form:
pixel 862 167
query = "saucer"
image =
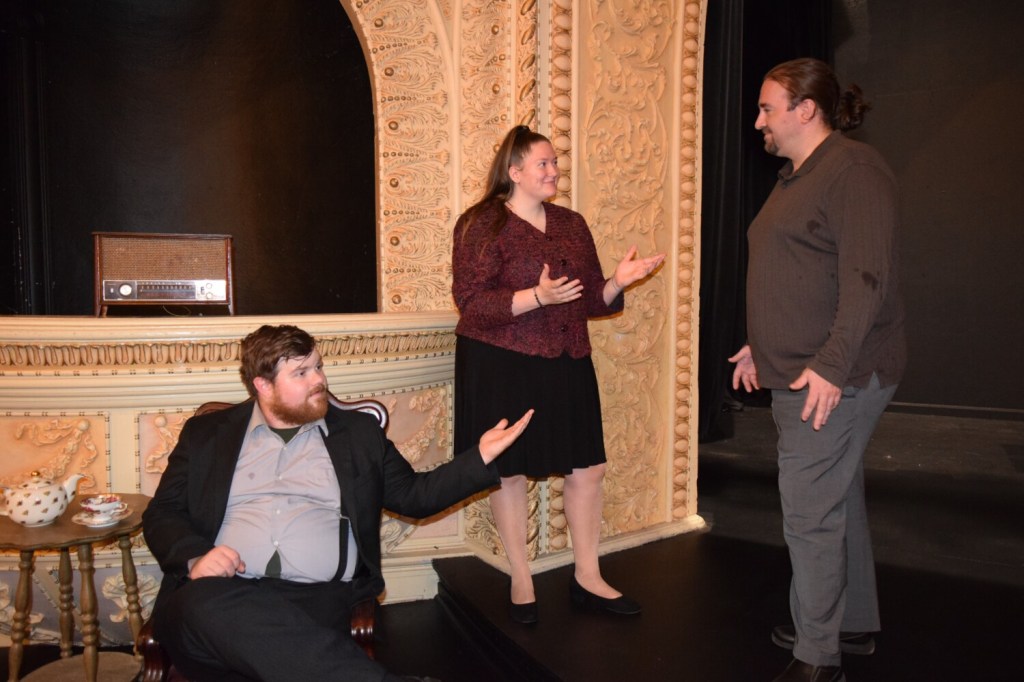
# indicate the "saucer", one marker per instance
pixel 89 519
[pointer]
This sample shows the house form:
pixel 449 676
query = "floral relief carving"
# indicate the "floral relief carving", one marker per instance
pixel 480 523
pixel 7 614
pixel 55 447
pixel 485 85
pixel 167 429
pixel 114 589
pixel 411 88
pixel 432 434
pixel 626 138
pixel 527 94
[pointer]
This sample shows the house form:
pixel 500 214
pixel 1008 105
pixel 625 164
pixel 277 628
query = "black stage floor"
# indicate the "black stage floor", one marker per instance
pixel 946 499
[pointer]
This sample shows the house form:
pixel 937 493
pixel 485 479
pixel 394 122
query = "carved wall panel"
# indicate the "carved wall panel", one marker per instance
pixel 626 162
pixel 56 445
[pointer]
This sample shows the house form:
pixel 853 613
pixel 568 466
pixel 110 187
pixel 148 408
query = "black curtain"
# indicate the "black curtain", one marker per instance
pixel 743 40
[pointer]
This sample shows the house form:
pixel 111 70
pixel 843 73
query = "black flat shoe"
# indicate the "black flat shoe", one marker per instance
pixel 621 605
pixel 523 613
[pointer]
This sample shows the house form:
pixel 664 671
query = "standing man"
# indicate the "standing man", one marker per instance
pixel 825 328
pixel 266 522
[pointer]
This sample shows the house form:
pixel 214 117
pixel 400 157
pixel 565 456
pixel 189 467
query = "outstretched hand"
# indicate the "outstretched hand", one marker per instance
pixel 497 440
pixel 630 269
pixel 556 291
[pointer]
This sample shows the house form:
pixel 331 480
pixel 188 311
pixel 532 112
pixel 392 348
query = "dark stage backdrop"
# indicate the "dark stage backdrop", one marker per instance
pixel 247 117
pixel 947 82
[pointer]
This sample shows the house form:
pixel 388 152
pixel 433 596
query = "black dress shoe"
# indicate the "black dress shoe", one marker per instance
pixel 859 643
pixel 621 605
pixel 523 613
pixel 798 671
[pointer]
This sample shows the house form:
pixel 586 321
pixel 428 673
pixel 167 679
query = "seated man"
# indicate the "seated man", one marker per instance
pixel 266 522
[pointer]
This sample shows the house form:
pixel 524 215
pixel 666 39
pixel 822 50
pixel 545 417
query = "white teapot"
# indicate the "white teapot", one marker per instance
pixel 38 501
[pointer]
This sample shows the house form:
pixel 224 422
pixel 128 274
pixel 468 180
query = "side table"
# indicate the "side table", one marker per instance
pixel 61 536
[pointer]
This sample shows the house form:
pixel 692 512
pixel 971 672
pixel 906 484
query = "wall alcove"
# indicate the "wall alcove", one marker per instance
pixel 249 119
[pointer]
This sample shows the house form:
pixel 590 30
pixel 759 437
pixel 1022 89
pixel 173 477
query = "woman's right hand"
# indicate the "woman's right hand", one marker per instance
pixel 557 291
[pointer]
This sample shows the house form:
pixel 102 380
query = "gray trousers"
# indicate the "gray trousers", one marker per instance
pixel 821 481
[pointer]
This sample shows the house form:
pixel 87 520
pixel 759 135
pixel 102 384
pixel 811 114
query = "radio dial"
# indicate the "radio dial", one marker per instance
pixel 125 290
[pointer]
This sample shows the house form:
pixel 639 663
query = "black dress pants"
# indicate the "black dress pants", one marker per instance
pixel 236 629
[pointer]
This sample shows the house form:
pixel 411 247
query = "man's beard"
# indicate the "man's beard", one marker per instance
pixel 308 411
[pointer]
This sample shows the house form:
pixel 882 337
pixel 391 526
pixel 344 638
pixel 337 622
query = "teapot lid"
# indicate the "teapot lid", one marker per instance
pixel 36 481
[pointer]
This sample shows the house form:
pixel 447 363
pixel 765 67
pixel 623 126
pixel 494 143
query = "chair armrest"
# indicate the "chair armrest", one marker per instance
pixel 363 615
pixel 154 662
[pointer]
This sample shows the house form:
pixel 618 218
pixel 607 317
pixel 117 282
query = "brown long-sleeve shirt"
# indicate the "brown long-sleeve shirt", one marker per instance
pixel 823 282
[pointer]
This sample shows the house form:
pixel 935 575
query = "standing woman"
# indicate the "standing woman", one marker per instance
pixel 526 278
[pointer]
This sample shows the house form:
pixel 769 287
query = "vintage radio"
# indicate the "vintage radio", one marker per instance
pixel 134 268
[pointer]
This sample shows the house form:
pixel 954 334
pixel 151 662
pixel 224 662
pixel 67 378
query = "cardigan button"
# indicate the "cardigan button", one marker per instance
pixel 565 328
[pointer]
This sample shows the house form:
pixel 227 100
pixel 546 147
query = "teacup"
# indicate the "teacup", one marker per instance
pixel 104 506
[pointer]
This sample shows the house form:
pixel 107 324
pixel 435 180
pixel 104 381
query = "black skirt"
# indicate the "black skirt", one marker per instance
pixel 565 432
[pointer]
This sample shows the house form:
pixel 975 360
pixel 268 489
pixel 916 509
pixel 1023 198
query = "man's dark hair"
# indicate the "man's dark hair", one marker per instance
pixel 265 347
pixel 813 79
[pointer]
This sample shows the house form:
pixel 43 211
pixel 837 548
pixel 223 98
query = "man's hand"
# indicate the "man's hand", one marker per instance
pixel 497 440
pixel 219 562
pixel 745 371
pixel 822 397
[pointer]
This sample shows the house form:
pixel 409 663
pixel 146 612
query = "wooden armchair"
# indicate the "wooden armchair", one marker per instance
pixel 157 665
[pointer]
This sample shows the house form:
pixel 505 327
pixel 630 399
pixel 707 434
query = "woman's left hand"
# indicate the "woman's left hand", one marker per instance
pixel 630 269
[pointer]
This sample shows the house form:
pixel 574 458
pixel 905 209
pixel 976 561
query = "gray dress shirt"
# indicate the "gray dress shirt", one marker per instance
pixel 285 498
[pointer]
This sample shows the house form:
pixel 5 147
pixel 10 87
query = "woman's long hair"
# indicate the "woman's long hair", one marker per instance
pixel 513 149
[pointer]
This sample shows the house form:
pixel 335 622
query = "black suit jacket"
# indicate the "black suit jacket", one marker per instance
pixel 189 505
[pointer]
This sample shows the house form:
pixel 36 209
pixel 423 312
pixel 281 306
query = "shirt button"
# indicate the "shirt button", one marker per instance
pixel 276 544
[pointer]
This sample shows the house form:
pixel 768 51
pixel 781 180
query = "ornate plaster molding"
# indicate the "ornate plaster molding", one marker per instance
pixel 683 448
pixel 408 56
pixel 201 343
pixel 627 136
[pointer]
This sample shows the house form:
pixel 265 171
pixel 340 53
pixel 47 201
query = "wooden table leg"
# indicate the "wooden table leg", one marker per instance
pixel 66 604
pixel 131 586
pixel 88 607
pixel 19 622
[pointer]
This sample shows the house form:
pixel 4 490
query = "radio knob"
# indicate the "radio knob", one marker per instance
pixel 125 290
